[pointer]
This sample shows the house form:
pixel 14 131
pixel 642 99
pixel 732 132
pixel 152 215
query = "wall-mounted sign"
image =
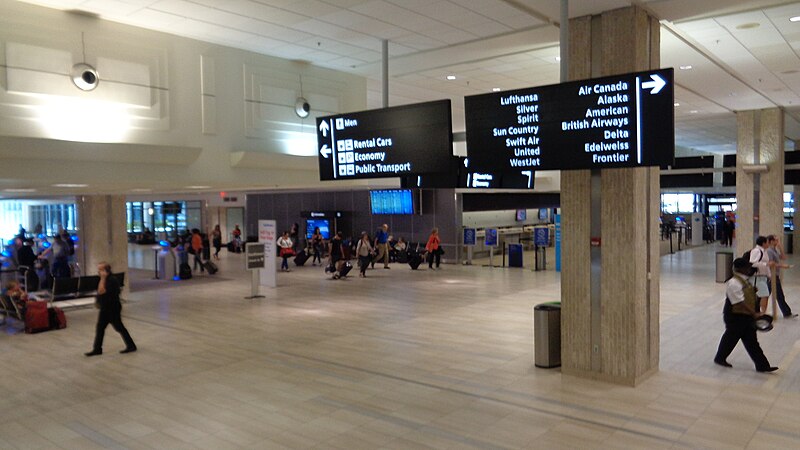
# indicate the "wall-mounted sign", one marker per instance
pixel 388 142
pixel 621 121
pixel 541 236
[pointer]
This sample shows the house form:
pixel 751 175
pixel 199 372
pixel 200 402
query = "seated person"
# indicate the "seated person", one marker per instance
pixel 17 295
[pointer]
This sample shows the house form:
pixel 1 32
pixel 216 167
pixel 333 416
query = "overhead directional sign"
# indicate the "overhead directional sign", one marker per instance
pixel 621 121
pixel 388 142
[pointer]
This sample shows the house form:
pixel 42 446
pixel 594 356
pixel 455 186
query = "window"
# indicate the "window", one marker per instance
pixel 677 203
pixel 169 218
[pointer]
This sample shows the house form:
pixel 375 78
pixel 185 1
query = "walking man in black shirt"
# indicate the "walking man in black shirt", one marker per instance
pixel 110 311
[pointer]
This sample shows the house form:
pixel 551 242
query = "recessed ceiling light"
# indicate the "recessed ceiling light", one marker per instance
pixel 748 26
pixel 677 104
pixel 70 185
pixel 794 19
pixel 558 58
pixel 141 190
pixel 19 190
pixel 694 111
pixel 686 67
pixel 198 187
pixel 495 89
pixel 451 77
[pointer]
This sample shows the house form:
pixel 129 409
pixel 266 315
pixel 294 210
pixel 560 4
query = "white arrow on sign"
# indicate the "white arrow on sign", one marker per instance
pixel 323 127
pixel 657 84
pixel 325 151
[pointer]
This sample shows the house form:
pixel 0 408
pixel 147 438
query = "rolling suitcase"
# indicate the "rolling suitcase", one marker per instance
pixel 210 267
pixel 185 271
pixel 301 258
pixel 37 318
pixel 414 261
pixel 346 268
pixel 58 320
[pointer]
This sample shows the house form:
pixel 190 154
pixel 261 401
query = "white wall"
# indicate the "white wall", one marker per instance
pixel 503 218
pixel 168 112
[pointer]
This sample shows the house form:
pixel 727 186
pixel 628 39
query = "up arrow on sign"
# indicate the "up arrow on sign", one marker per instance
pixel 325 151
pixel 323 127
pixel 656 84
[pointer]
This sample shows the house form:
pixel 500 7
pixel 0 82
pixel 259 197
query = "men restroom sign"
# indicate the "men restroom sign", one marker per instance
pixel 388 142
pixel 621 121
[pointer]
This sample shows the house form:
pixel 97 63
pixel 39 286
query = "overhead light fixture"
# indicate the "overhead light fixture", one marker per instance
pixel 694 111
pixel 301 106
pixel 748 26
pixel 197 187
pixel 677 104
pixel 70 185
pixel 19 190
pixel 495 89
pixel 141 190
pixel 686 67
pixel 794 19
pixel 558 58
pixel 451 77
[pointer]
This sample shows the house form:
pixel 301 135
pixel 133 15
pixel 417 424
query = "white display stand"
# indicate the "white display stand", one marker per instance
pixel 267 235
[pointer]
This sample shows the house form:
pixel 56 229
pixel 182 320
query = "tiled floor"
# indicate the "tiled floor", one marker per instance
pixel 401 360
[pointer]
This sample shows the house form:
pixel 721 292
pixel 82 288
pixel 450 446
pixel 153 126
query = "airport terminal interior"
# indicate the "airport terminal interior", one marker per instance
pixel 127 124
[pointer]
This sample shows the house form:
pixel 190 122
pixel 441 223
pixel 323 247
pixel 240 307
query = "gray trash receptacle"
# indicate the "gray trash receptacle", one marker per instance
pixel 547 335
pixel 724 266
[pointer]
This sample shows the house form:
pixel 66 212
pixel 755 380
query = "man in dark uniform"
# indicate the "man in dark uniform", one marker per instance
pixel 110 311
pixel 740 313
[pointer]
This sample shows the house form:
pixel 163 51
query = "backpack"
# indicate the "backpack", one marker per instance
pixel 746 255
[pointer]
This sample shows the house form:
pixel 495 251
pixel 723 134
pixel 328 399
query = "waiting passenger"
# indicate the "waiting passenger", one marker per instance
pixel 285 249
pixel 433 248
pixel 197 249
pixel 216 241
pixel 60 252
pixel 364 251
pixel 317 241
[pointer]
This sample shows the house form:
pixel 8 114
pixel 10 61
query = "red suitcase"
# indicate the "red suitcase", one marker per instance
pixel 37 318
pixel 57 318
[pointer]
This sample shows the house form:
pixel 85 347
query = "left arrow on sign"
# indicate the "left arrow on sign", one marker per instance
pixel 323 127
pixel 325 151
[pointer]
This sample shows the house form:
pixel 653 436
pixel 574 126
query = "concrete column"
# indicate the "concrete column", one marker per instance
pixel 103 233
pixel 610 326
pixel 759 196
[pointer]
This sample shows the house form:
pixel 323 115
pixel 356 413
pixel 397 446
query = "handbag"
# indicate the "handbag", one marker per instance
pixel 286 251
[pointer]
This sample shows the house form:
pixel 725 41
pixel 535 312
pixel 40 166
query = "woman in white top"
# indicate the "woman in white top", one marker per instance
pixel 364 251
pixel 285 248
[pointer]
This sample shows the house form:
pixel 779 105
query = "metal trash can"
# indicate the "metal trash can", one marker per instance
pixel 724 266
pixel 547 335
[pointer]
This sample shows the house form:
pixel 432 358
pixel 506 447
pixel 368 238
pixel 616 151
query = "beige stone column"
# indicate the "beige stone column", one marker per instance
pixel 103 233
pixel 614 337
pixel 759 194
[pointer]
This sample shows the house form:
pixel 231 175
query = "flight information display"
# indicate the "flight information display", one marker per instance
pixel 388 142
pixel 620 121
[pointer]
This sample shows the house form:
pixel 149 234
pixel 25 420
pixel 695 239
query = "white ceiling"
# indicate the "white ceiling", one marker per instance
pixel 506 44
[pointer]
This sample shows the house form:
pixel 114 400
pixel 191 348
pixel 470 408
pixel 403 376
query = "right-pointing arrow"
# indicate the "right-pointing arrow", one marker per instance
pixel 325 151
pixel 657 84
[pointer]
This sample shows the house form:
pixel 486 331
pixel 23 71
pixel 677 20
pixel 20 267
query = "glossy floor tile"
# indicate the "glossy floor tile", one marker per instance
pixel 400 360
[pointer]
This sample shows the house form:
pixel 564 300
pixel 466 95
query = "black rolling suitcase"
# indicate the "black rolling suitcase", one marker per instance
pixel 346 268
pixel 184 271
pixel 301 258
pixel 415 260
pixel 210 267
